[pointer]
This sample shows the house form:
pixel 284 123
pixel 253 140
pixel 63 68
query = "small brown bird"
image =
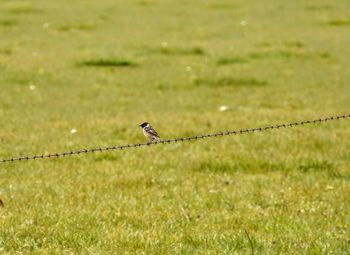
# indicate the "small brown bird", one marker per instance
pixel 149 132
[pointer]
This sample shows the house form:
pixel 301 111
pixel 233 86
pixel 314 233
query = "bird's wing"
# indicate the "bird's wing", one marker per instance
pixel 152 131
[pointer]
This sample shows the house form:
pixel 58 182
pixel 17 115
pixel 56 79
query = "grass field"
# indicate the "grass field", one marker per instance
pixel 104 67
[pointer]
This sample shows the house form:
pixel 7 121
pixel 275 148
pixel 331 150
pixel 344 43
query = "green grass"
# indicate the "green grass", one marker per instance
pixel 70 65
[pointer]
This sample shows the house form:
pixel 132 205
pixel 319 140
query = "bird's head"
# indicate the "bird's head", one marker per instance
pixel 144 124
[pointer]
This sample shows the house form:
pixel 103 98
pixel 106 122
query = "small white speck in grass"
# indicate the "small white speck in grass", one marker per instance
pixel 188 68
pixel 46 25
pixel 164 44
pixel 243 23
pixel 34 54
pixel 329 187
pixel 223 108
pixel 32 87
pixel 29 221
pixel 73 131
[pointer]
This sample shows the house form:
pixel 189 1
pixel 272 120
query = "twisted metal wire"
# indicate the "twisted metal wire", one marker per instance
pixel 179 139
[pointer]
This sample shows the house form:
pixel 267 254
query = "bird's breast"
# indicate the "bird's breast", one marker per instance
pixel 146 133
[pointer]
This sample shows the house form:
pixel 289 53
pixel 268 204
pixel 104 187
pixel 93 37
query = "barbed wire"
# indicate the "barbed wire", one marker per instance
pixel 179 139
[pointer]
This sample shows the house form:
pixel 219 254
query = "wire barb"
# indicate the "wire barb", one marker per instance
pixel 179 139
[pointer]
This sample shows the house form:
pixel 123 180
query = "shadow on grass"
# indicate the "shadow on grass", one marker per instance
pixel 339 22
pixel 110 62
pixel 278 54
pixel 230 61
pixel 325 168
pixel 230 82
pixel 179 51
pixel 294 44
pixel 107 157
pixel 287 54
pixel 8 22
pixel 81 26
pixel 5 52
pixel 146 2
pixel 285 50
pixel 287 44
pixel 25 10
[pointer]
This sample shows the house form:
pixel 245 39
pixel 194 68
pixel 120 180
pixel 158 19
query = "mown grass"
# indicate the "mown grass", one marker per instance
pixel 68 65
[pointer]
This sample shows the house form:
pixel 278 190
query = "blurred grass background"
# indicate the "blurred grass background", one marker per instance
pixel 103 67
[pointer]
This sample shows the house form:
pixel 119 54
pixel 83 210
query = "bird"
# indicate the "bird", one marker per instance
pixel 149 132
